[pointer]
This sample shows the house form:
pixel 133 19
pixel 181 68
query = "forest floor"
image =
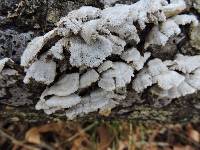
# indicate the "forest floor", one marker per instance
pixel 98 135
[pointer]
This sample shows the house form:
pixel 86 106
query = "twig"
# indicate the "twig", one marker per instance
pixel 191 141
pixel 17 142
pixel 84 130
pixel 22 143
pixel 161 144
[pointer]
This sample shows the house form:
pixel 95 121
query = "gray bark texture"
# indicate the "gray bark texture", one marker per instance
pixel 21 20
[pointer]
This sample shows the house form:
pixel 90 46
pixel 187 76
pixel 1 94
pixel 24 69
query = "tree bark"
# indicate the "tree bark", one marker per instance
pixel 21 20
pixel 179 111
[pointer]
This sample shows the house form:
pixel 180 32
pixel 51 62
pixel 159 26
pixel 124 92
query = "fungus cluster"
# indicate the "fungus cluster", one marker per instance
pixel 170 79
pixel 94 56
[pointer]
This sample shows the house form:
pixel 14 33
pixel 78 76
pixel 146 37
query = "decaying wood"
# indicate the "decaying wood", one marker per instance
pixel 28 19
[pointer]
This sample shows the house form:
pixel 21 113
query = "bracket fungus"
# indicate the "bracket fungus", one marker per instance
pixel 3 62
pixel 116 77
pixel 159 35
pixel 104 51
pixel 170 79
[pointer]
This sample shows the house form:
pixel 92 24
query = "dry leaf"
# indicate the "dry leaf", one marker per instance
pixel 81 142
pixel 105 137
pixel 15 147
pixel 187 147
pixel 150 147
pixel 192 133
pixel 33 136
pixel 122 145
pixel 78 144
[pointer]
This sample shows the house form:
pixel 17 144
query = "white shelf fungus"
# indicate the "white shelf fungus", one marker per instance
pixel 185 64
pixel 175 7
pixel 96 43
pixel 88 78
pixel 194 79
pixel 35 46
pixel 159 35
pixel 107 84
pixel 105 66
pixel 66 85
pixel 108 2
pixel 169 79
pixel 3 63
pixel 97 100
pixel 57 50
pixel 170 84
pixel 89 55
pixel 57 102
pixel 142 81
pixel 117 44
pixel 83 14
pixel 41 71
pixel 186 19
pixel 133 57
pixel 120 74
